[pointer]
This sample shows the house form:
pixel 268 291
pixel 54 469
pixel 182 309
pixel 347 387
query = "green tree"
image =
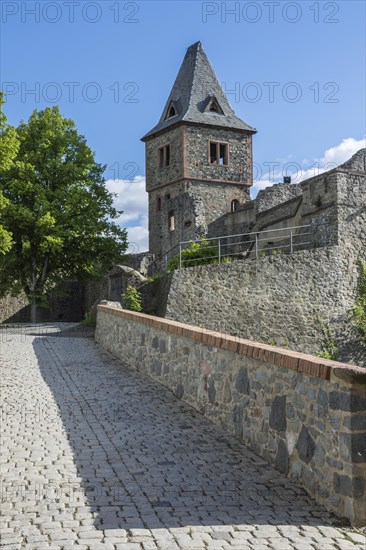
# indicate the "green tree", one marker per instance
pixel 9 145
pixel 359 309
pixel 59 211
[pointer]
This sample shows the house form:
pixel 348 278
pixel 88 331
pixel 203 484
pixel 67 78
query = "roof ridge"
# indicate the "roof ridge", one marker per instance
pixel 195 81
pixel 197 44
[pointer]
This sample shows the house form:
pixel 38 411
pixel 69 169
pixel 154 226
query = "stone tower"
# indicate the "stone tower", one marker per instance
pixel 198 157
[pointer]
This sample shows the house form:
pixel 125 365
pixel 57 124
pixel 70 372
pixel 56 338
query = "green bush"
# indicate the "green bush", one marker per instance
pixel 199 253
pixel 359 309
pixel 132 299
pixel 90 320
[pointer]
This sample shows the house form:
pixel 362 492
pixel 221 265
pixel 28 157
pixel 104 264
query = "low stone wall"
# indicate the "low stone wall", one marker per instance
pixel 303 414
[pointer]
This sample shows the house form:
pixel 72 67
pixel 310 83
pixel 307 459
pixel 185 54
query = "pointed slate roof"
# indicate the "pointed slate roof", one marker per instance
pixel 194 87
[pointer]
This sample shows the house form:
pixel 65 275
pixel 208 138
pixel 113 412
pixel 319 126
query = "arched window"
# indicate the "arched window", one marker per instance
pixel 171 221
pixel 234 205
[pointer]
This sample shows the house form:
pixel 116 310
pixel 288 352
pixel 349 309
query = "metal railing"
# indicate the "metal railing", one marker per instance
pixel 246 245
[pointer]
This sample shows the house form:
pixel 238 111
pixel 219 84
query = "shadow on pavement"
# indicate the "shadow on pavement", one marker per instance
pixel 147 459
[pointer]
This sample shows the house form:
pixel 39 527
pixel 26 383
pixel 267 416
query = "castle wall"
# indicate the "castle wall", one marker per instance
pixel 302 414
pixel 275 299
pixel 283 298
pixel 15 308
pixel 313 202
pixel 195 205
pixel 276 194
pixel 65 304
pixel 155 175
pixel 239 168
pixel 178 189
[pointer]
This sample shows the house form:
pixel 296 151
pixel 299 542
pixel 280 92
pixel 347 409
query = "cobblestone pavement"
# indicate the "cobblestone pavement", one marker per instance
pixel 96 455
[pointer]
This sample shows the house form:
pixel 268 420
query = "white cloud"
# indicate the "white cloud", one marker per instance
pixel 133 200
pixel 342 152
pixel 138 237
pixel 331 158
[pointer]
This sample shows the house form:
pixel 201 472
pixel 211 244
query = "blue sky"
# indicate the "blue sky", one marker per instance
pixel 293 70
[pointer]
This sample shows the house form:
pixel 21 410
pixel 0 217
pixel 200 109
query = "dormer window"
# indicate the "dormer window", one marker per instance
pixel 171 111
pixel 213 106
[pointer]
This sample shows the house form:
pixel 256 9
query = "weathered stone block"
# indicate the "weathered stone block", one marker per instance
pixel 282 457
pixel 358 403
pixel 305 445
pixel 349 487
pixel 242 381
pixel 337 464
pixel 322 399
pixel 157 367
pixel 355 422
pixel 339 400
pixel 162 345
pixel 238 421
pixel 358 447
pixel 319 455
pixel 226 391
pixel 277 417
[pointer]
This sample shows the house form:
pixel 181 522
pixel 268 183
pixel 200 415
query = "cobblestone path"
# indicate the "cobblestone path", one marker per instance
pixel 96 455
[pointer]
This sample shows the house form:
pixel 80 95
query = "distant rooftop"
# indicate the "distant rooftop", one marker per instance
pixel 198 97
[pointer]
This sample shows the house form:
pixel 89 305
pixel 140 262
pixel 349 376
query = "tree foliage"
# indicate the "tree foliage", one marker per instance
pixel 359 309
pixel 199 253
pixel 9 145
pixel 132 299
pixel 58 210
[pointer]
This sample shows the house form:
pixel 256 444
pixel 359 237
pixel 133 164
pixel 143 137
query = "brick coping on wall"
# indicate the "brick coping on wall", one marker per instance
pixel 293 360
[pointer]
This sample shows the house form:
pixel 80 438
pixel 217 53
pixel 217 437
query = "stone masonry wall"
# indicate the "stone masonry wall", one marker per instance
pixel 14 308
pixel 155 175
pixel 275 299
pixel 65 304
pixel 177 188
pixel 194 205
pixel 276 195
pixel 281 298
pixel 304 415
pixel 239 167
